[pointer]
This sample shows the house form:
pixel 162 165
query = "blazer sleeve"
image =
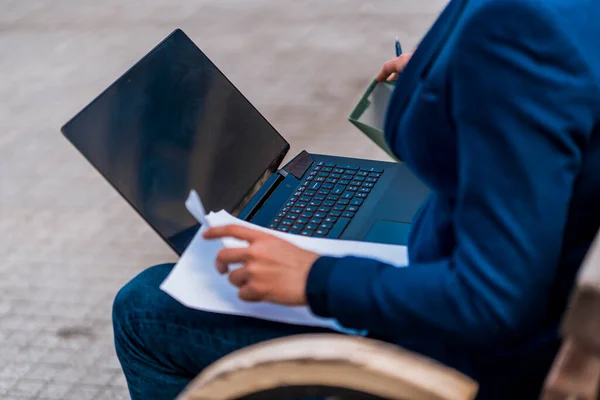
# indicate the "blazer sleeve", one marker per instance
pixel 522 111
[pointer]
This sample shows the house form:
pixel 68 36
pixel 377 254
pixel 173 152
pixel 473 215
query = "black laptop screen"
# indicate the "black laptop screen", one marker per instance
pixel 173 123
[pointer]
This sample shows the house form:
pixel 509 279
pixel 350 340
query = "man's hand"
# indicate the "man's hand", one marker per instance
pixel 273 270
pixel 394 66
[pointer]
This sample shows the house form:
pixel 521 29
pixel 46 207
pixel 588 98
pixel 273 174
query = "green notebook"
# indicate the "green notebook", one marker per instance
pixel 369 113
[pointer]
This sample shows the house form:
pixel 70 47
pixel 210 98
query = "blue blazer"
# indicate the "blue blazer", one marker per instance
pixel 498 112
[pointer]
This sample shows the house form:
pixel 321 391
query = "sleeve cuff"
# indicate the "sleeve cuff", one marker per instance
pixel 317 284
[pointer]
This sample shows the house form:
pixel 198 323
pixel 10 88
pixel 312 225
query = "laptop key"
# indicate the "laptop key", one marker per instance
pixel 302 221
pixel 310 209
pixel 326 225
pixel 368 184
pixel 344 202
pixel 339 207
pixel 307 233
pixel 335 176
pixel 292 216
pixel 339 170
pixel 283 228
pixel 327 169
pixel 281 215
pixel 339 227
pixel 315 203
pixel 316 221
pixel 357 202
pixel 338 189
pixel 364 189
pixel 330 164
pixel 355 183
pixel 352 208
pixel 295 231
pixel 324 209
pixel 328 186
pixel 335 213
pixel 348 214
pixel 312 227
pixel 306 215
pixel 287 222
pixel 359 178
pixel 348 195
pixel 347 166
pixel 298 194
pixel 330 219
pixel 324 174
pixel 319 179
pixel 296 210
pixel 320 215
pixel 315 185
pixel 361 195
pixel 321 163
pixel 324 192
pixel 331 180
pixel 333 197
pixel 362 173
pixel 272 226
pixel 352 188
pixel 374 175
pixel 310 192
pixel 319 197
pixel 301 204
pixel 298 226
pixel 322 232
pixel 372 180
pixel 372 169
pixel 343 181
pixel 305 199
pixel 348 177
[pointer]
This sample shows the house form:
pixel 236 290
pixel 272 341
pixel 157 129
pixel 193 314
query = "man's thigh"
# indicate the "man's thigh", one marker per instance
pixel 180 338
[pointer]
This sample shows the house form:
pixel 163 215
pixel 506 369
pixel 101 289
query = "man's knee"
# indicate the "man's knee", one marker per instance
pixel 141 292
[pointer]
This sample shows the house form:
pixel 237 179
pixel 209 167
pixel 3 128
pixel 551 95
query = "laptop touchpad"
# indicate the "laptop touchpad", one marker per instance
pixel 389 232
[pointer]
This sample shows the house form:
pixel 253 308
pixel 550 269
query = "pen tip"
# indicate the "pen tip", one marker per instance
pixel 397 40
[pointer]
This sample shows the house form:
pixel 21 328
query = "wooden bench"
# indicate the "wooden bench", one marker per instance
pixel 360 368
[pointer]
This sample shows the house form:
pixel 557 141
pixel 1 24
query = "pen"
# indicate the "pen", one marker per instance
pixel 398 48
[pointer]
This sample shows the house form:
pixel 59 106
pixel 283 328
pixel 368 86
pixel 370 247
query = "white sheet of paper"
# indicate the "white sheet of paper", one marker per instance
pixel 195 282
pixel 374 115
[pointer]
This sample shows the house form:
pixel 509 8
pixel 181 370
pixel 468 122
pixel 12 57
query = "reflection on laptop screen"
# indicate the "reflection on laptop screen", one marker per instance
pixel 172 123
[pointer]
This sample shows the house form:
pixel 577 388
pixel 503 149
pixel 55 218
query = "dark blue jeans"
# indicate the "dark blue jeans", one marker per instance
pixel 162 345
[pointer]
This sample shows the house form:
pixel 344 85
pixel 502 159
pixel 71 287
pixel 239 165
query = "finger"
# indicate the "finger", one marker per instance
pixel 239 277
pixel 388 68
pixel 235 231
pixel 233 255
pixel 393 67
pixel 249 293
pixel 392 77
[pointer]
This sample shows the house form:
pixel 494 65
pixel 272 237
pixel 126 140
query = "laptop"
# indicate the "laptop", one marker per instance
pixel 174 122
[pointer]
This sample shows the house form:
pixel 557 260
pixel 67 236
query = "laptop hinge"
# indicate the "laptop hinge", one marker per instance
pixel 261 196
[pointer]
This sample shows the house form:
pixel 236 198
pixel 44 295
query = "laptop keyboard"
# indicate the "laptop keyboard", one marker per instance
pixel 326 200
